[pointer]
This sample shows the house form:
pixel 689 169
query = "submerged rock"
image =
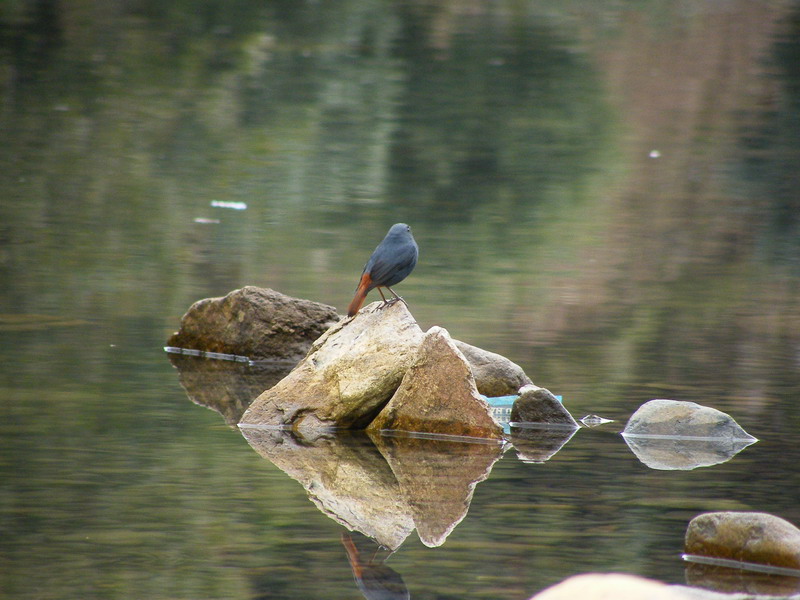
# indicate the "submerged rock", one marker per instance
pixel 744 536
pixel 539 405
pixel 438 395
pixel 348 375
pixel 258 323
pixel 494 374
pixel 674 418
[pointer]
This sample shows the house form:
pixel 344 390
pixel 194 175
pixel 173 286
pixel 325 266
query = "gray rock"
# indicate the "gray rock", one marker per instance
pixel 745 536
pixel 539 405
pixel 254 322
pixel 494 374
pixel 674 418
pixel 438 395
pixel 348 375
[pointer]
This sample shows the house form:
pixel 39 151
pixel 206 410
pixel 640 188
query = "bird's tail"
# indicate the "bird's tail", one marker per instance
pixel 364 286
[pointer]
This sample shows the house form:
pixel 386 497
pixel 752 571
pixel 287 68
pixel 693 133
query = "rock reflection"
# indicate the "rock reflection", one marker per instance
pixel 728 580
pixel 539 443
pixel 345 476
pixel 437 478
pixel 383 487
pixel 374 579
pixel 684 454
pixel 224 386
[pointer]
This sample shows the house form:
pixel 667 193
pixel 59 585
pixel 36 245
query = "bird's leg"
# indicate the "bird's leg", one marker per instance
pixel 396 297
pixel 385 301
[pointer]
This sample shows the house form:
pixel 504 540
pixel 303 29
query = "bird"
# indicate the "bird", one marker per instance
pixel 390 263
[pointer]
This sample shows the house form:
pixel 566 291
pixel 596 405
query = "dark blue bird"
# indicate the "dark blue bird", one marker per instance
pixel 390 263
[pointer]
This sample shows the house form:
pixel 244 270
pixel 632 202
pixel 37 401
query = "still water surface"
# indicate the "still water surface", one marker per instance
pixel 607 195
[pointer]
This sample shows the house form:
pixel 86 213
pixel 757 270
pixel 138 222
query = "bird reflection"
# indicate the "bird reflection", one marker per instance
pixel 375 580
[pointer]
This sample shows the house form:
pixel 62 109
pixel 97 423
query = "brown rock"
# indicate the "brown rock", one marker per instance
pixel 254 322
pixel 494 374
pixel 539 405
pixel 438 395
pixel 347 376
pixel 745 536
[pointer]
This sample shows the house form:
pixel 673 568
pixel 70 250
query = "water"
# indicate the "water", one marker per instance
pixel 607 195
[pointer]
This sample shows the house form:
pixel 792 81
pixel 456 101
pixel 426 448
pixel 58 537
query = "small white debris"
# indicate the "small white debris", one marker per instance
pixel 228 204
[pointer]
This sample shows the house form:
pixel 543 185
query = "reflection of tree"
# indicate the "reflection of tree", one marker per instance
pixel 496 111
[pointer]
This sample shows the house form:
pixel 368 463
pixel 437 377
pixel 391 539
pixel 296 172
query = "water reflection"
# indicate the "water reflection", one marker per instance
pixel 226 387
pixel 685 454
pixel 730 580
pixel 374 579
pixel 519 135
pixel 382 487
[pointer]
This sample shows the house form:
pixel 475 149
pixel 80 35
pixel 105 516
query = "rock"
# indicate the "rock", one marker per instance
pixel 673 418
pixel 437 478
pixel 345 477
pixel 438 395
pixel 254 322
pixel 744 536
pixel 595 586
pixel 224 386
pixel 494 374
pixel 539 405
pixel 348 375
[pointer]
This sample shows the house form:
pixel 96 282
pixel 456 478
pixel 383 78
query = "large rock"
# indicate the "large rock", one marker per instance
pixel 674 418
pixel 348 375
pixel 539 405
pixel 745 536
pixel 254 322
pixel 494 374
pixel 438 395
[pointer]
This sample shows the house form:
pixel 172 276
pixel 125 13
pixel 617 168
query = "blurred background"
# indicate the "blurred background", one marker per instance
pixel 606 192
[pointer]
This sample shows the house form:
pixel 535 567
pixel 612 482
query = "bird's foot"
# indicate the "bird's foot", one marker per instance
pixel 394 300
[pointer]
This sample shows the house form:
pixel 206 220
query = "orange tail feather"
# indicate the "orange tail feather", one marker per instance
pixel 361 294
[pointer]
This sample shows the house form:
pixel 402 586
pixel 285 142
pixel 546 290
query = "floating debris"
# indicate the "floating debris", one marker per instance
pixel 229 204
pixel 594 420
pixel 204 221
pixel 206 354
